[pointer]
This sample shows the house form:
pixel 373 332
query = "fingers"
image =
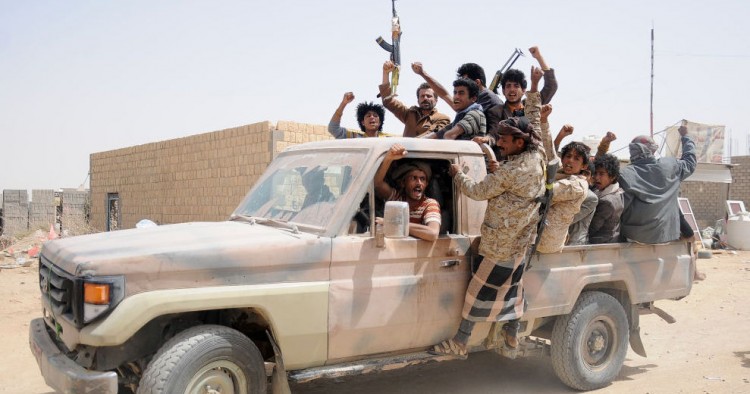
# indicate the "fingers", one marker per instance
pixel 417 68
pixel 388 65
pixel 348 97
pixel 398 150
pixel 546 109
pixel 534 51
pixel 567 129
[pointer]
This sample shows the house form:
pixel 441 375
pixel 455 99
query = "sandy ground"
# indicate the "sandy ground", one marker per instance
pixel 706 351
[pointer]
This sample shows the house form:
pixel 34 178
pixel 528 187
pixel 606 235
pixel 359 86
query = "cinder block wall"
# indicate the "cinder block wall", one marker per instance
pixel 42 210
pixel 196 178
pixel 15 212
pixel 707 200
pixel 740 188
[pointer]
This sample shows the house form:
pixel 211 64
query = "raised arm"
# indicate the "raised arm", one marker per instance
pixel 565 131
pixel 334 126
pixel 688 161
pixel 533 111
pixel 550 82
pixel 397 108
pixel 382 188
pixel 440 91
pixel 603 147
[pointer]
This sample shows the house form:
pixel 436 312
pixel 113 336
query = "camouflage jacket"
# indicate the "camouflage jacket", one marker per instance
pixel 568 195
pixel 512 192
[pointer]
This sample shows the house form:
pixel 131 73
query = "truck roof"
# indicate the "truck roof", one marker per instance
pixel 383 144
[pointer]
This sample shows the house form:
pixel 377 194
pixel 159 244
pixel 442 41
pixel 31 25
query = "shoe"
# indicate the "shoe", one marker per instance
pixel 450 348
pixel 510 334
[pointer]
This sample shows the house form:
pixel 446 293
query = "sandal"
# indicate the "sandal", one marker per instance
pixel 450 348
pixel 510 335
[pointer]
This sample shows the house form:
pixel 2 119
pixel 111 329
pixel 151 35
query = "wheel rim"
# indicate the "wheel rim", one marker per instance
pixel 218 377
pixel 599 342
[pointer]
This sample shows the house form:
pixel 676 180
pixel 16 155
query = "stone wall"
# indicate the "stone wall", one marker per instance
pixel 196 178
pixel 740 188
pixel 42 209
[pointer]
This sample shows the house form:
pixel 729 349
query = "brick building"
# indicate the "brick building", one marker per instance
pixel 196 178
pixel 713 184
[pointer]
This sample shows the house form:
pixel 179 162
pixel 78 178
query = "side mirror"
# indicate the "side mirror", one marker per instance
pixel 396 220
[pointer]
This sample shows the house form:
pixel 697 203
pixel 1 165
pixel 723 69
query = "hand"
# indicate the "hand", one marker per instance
pixel 454 169
pixel 348 98
pixel 397 151
pixel 493 166
pixel 683 130
pixel 388 66
pixel 566 130
pixel 417 68
pixel 536 74
pixel 534 51
pixel 546 111
pixel 609 137
pixel 481 140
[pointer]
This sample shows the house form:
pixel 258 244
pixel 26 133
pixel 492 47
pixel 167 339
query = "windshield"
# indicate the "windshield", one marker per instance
pixel 303 188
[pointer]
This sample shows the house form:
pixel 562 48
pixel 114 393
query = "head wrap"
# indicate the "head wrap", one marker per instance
pixel 519 127
pixel 409 166
pixel 642 147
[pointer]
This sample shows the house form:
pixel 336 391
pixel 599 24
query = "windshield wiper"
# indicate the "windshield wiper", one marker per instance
pixel 274 222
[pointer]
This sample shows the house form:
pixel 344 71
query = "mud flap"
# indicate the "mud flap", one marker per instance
pixel 635 332
pixel 279 382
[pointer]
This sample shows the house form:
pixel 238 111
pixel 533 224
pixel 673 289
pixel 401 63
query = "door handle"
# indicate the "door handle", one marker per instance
pixel 448 263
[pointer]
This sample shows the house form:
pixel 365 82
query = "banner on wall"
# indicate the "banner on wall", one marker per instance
pixel 709 142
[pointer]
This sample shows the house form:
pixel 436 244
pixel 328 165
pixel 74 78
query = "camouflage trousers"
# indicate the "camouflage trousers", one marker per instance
pixel 495 291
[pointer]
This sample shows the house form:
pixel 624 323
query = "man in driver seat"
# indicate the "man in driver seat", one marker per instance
pixel 412 179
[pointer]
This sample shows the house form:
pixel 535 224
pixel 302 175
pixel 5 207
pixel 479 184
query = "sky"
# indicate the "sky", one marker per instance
pixel 80 77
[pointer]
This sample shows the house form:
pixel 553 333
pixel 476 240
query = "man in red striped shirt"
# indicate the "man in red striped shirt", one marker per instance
pixel 412 179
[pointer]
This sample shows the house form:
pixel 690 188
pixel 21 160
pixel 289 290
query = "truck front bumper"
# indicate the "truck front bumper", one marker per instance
pixel 62 373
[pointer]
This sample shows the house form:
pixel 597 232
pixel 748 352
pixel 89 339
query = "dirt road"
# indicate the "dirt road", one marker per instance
pixel 706 351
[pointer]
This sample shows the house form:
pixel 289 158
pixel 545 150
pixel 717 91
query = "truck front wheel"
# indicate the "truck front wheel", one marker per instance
pixel 206 359
pixel 589 344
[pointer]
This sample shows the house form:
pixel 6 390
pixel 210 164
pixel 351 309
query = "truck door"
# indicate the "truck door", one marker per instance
pixel 407 294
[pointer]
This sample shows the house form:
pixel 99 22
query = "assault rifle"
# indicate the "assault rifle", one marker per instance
pixel 394 48
pixel 549 179
pixel 499 73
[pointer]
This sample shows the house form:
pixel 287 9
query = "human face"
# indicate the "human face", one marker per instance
pixel 602 178
pixel 510 146
pixel 426 99
pixel 415 183
pixel 513 92
pixel 371 122
pixel 461 99
pixel 572 163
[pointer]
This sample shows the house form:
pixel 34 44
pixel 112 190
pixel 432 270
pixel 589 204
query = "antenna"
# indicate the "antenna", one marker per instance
pixel 652 81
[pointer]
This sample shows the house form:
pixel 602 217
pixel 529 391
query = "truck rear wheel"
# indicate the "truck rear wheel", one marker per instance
pixel 589 344
pixel 206 359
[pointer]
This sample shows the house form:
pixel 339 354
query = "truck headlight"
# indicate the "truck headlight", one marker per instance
pixel 101 294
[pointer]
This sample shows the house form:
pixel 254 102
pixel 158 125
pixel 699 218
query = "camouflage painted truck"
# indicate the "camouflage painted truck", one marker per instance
pixel 297 286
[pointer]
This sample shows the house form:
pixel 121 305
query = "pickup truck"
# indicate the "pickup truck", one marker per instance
pixel 301 283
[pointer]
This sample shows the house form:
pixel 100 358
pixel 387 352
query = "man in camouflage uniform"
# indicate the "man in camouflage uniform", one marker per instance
pixel 513 189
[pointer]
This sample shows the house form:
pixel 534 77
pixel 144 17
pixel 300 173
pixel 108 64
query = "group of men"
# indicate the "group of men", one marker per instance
pixel 593 202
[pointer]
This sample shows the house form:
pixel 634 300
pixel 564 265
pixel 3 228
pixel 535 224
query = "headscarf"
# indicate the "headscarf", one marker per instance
pixel 518 126
pixel 642 147
pixel 411 165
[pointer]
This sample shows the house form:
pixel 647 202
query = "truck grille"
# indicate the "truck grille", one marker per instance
pixel 58 291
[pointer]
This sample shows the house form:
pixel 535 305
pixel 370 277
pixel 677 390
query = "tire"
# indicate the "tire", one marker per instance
pixel 589 344
pixel 202 356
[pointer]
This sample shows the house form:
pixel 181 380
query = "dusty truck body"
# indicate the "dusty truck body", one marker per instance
pixel 301 284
